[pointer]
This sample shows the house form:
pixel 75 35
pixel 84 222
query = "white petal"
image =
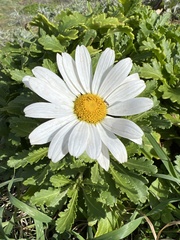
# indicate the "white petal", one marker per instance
pixel 133 77
pixel 103 158
pixel 84 67
pixel 114 145
pixel 137 141
pixel 130 107
pixel 126 91
pixel 58 147
pixel 104 65
pixel 47 110
pixel 67 68
pixel 94 142
pixel 78 139
pixel 46 131
pixel 52 79
pixel 115 77
pixel 123 127
pixel 47 91
pixel 26 80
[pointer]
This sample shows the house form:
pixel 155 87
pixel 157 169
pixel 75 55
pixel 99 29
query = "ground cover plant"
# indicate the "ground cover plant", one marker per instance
pixel 76 198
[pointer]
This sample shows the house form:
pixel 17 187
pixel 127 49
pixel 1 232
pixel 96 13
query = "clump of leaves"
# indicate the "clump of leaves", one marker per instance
pixel 75 197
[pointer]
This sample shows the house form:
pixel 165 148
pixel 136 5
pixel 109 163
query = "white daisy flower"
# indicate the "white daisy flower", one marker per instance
pixel 86 111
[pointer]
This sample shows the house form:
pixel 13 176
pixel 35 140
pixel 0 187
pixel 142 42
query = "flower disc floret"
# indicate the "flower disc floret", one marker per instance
pixel 90 108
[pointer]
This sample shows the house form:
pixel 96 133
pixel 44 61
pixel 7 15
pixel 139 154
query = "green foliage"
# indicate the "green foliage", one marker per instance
pixel 75 197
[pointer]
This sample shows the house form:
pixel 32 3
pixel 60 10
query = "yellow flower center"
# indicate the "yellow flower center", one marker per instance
pixel 90 108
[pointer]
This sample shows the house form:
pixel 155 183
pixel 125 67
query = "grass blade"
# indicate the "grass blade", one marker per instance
pixel 167 177
pixel 32 212
pixel 2 233
pixel 122 232
pixel 161 154
pixel 39 230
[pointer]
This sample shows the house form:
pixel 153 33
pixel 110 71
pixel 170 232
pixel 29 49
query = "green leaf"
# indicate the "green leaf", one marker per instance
pixel 177 162
pixel 122 232
pixel 130 5
pixel 107 198
pixel 4 92
pixel 41 21
pixel 130 183
pixel 102 21
pixel 66 218
pixel 160 122
pixel 105 225
pixel 152 70
pixel 173 118
pixel 49 197
pixel 22 126
pixel 95 175
pixel 51 43
pixel 151 86
pixel 142 165
pixel 95 208
pixel 60 180
pixel 25 157
pixel 18 75
pixel 161 206
pixel 89 37
pixel 47 63
pixel 77 235
pixel 170 93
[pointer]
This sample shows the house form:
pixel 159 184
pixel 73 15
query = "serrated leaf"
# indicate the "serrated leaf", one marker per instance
pixel 4 91
pixel 174 118
pixel 41 21
pixel 60 180
pixel 21 159
pixel 22 126
pixel 66 218
pixel 102 21
pixel 177 162
pixel 18 75
pixel 131 184
pixel 151 86
pixel 51 43
pixel 50 197
pixel 153 70
pixel 68 35
pixel 170 93
pixel 107 198
pixel 160 122
pixel 17 104
pixel 38 177
pixel 142 165
pixel 147 147
pixel 89 37
pixel 95 175
pixel 47 63
pixel 95 208
pixel 69 20
pixel 105 225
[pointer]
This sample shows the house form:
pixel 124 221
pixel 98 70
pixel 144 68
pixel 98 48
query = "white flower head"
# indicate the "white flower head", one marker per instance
pixel 85 111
